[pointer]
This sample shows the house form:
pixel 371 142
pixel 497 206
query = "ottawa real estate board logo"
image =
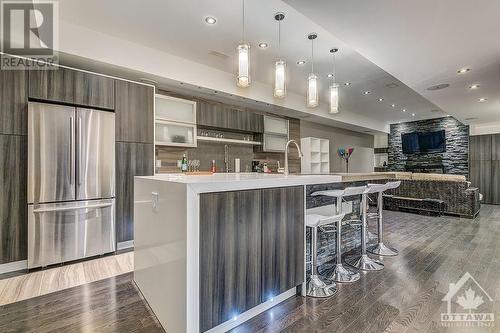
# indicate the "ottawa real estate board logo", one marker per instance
pixel 29 34
pixel 467 305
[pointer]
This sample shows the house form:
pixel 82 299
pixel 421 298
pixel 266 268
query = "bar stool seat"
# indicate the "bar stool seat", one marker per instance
pixel 380 248
pixel 341 273
pixel 318 286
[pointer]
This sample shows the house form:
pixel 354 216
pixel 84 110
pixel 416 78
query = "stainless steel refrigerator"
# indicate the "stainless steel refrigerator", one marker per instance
pixel 71 183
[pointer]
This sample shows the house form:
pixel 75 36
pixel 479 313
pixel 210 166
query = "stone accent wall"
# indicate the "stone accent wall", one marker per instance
pixel 454 161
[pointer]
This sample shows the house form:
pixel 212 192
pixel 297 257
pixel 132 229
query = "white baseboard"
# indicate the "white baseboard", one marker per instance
pixel 125 245
pixel 13 266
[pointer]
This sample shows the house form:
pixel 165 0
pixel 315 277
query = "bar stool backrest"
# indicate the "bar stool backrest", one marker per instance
pixel 354 190
pixel 375 188
pixel 392 185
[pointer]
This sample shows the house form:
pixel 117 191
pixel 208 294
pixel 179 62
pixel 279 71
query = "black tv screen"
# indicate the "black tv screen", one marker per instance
pixel 424 143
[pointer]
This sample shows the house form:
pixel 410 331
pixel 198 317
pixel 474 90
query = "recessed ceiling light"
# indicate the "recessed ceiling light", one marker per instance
pixel 482 99
pixel 367 92
pixel 347 84
pixel 413 115
pixel 474 86
pixel 210 20
pixel 301 62
pixel 330 75
pixel 448 115
pixel 463 70
pixel 393 105
pixel 404 110
pixel 380 99
pixel 263 45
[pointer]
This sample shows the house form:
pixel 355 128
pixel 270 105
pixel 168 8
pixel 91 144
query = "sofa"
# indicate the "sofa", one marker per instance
pixel 439 193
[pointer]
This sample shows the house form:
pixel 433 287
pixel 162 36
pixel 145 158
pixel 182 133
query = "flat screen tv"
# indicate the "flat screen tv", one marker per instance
pixel 424 142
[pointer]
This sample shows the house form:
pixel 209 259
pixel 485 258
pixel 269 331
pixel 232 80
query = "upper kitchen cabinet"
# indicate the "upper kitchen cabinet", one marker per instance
pixel 134 112
pixel 175 123
pixel 64 85
pixel 276 134
pixel 217 115
pixel 13 102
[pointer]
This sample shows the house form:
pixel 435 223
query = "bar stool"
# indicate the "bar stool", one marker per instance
pixel 363 261
pixel 340 273
pixel 380 248
pixel 317 286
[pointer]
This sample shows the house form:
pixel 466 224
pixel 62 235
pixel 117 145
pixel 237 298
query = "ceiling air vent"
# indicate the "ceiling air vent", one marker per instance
pixel 218 54
pixel 438 86
pixel 392 85
pixel 471 118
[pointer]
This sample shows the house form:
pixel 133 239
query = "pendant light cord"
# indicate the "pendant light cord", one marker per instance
pixel 279 38
pixel 243 21
pixel 312 56
pixel 334 78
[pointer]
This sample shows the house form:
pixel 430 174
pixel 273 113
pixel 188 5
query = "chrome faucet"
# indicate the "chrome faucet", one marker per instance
pixel 226 157
pixel 286 154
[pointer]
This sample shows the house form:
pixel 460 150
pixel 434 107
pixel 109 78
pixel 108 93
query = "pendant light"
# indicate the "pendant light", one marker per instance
pixel 312 80
pixel 334 88
pixel 280 64
pixel 243 49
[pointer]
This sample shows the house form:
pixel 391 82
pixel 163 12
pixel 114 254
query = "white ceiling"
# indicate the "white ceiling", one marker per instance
pixel 178 27
pixel 423 43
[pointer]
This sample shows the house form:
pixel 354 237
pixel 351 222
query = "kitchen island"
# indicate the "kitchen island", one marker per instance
pixel 213 251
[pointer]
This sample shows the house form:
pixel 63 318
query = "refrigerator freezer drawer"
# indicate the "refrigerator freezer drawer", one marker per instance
pixel 64 232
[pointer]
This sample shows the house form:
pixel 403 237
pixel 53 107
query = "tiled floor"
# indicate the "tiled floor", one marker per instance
pixel 46 281
pixel 404 297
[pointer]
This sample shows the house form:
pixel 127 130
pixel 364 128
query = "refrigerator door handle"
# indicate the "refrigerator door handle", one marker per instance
pixel 59 209
pixel 79 149
pixel 71 147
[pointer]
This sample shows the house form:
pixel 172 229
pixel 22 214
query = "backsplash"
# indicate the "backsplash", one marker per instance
pixel 208 151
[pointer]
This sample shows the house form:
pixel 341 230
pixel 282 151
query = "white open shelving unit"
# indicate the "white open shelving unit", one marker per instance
pixel 316 159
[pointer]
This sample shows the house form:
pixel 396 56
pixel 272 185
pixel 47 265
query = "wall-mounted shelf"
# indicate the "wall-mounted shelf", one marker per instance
pixel 224 140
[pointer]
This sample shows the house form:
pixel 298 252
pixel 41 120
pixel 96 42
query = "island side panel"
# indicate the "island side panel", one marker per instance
pixel 160 250
pixel 230 255
pixel 282 240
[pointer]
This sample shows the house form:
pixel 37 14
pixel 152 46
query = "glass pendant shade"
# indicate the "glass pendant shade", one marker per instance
pixel 334 98
pixel 243 65
pixel 279 79
pixel 312 91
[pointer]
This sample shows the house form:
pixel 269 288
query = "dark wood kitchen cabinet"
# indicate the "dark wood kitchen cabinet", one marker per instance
pixel 217 115
pixel 13 198
pixel 13 102
pixel 69 86
pixel 251 249
pixel 282 240
pixel 132 159
pixel 134 112
pixel 230 255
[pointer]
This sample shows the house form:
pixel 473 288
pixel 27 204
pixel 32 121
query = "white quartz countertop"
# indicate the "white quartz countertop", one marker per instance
pixel 220 182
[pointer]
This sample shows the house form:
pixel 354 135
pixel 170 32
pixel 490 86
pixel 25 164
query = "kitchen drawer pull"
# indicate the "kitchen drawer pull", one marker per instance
pixel 44 210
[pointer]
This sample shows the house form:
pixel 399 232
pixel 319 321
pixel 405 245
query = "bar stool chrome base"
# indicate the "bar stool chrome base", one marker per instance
pixel 318 287
pixel 382 250
pixel 364 263
pixel 343 274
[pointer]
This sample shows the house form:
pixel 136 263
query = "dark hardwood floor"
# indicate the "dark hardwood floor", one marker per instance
pixel 405 297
